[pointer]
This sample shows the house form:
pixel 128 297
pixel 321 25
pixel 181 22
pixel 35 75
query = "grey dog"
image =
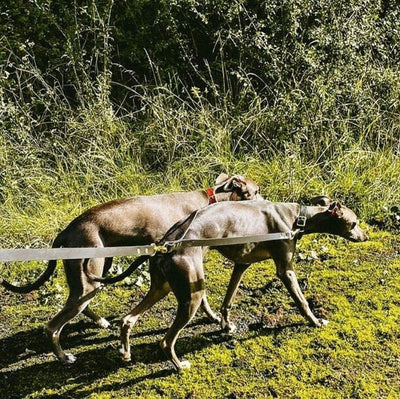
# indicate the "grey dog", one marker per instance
pixel 182 270
pixel 128 222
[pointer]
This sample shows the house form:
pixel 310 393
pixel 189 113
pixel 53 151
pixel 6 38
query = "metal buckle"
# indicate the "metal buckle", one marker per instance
pixel 159 248
pixel 301 221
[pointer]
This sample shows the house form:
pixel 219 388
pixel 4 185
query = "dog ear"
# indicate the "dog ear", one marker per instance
pixel 232 184
pixel 335 209
pixel 321 200
pixel 221 178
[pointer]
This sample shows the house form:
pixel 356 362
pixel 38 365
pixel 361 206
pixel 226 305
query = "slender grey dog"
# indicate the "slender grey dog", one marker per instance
pixel 133 221
pixel 182 270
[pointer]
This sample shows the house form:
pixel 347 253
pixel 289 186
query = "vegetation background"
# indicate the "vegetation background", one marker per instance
pixel 104 99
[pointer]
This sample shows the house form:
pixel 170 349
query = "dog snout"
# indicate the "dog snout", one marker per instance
pixel 358 235
pixel 363 235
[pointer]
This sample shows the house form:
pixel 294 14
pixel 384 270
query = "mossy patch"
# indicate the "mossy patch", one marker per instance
pixel 274 353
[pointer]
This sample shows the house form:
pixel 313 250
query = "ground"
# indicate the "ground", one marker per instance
pixel 273 354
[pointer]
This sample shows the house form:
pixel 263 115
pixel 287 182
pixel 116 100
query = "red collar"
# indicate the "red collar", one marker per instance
pixel 211 196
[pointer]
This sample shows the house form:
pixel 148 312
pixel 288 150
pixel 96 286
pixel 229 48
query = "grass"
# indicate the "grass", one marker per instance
pixel 320 117
pixel 274 353
pixel 98 156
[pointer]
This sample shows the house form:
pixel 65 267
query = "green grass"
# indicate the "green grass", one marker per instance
pixel 274 353
pixel 313 112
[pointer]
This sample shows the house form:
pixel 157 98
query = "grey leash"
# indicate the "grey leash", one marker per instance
pixel 14 255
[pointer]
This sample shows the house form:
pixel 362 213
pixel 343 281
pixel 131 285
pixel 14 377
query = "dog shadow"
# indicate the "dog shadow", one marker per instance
pixel 97 363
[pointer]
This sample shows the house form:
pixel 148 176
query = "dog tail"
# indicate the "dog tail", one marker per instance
pixel 110 280
pixel 24 289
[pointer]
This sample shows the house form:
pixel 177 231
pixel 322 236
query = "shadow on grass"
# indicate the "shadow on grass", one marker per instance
pixel 95 364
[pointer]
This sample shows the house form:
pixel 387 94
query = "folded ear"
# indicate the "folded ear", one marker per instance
pixel 335 209
pixel 232 183
pixel 221 178
pixel 321 200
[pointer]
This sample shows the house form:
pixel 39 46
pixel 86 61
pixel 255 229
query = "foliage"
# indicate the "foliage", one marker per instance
pixel 315 74
pixel 103 99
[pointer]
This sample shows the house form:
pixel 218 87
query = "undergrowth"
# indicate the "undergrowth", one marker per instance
pixel 301 97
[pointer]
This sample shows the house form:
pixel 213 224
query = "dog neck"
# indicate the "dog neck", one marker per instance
pixel 311 214
pixel 213 197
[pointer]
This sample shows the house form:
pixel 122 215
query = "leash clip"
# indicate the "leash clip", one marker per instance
pixel 163 249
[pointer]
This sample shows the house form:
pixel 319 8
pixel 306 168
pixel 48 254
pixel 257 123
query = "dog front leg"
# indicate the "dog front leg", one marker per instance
pixel 287 275
pixel 236 278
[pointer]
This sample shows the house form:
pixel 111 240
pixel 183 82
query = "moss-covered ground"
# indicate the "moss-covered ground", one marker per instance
pixel 273 354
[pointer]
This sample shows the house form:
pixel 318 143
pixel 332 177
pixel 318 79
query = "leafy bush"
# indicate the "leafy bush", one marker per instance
pixel 97 98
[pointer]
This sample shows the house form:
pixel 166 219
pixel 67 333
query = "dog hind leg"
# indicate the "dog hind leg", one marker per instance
pixel 236 277
pixel 80 296
pixel 185 312
pixel 208 311
pixel 186 278
pixel 159 288
pixel 100 321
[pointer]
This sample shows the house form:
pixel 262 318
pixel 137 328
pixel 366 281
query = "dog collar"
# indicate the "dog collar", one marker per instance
pixel 301 219
pixel 211 196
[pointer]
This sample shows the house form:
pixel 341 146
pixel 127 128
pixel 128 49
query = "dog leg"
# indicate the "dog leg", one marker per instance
pixel 185 312
pixel 159 288
pixel 236 277
pixel 100 321
pixel 186 279
pixel 209 312
pixel 72 308
pixel 79 298
pixel 287 275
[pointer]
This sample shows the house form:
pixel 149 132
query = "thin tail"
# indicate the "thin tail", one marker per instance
pixel 110 280
pixel 24 289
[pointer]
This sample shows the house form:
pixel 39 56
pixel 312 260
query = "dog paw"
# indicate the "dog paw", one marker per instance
pixel 125 356
pixel 103 323
pixel 215 319
pixel 68 359
pixel 323 322
pixel 319 323
pixel 228 328
pixel 185 364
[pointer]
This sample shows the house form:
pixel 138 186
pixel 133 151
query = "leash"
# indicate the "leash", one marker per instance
pixel 20 255
pixel 14 255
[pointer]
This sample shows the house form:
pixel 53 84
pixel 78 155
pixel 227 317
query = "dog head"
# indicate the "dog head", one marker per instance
pixel 337 219
pixel 240 187
pixel 322 200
